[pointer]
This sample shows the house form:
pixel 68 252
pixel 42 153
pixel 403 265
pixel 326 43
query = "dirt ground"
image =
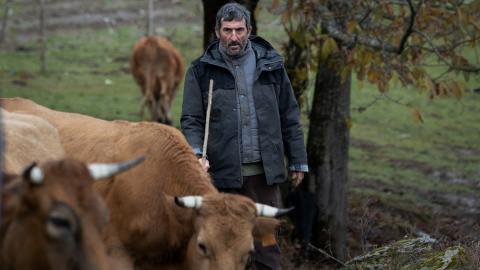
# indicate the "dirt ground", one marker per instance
pixel 384 223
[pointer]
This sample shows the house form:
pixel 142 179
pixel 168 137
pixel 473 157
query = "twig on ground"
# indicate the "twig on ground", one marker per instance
pixel 326 254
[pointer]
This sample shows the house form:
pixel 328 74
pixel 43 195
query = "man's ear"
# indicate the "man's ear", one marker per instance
pixel 216 33
pixel 249 31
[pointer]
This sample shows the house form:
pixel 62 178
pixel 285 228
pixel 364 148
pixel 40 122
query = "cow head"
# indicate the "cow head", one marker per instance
pixel 225 228
pixel 53 218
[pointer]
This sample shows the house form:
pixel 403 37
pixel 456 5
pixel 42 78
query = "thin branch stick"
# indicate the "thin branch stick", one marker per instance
pixel 207 124
pixel 326 254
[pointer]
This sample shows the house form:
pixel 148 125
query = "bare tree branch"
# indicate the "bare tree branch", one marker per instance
pixel 442 49
pixel 409 31
pixel 333 30
pixel 472 69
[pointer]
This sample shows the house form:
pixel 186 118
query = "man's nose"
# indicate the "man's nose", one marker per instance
pixel 234 35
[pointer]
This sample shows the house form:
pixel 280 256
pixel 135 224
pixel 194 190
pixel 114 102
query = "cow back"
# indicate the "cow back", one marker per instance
pixel 28 139
pixel 170 166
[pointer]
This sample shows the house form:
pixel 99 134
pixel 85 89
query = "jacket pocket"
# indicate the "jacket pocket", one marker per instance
pixel 222 79
pixel 270 77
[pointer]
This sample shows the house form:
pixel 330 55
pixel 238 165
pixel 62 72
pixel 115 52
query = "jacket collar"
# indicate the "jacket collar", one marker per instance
pixel 264 52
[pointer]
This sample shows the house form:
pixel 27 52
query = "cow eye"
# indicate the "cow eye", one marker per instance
pixel 59 227
pixel 60 223
pixel 202 249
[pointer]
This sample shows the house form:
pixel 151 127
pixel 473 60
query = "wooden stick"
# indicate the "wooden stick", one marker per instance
pixel 207 124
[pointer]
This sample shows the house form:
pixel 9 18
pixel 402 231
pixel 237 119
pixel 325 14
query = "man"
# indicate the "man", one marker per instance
pixel 254 119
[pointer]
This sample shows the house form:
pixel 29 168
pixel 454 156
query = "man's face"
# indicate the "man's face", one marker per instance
pixel 233 36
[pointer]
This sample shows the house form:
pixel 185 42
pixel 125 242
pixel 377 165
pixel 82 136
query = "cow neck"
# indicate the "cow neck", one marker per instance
pixel 190 179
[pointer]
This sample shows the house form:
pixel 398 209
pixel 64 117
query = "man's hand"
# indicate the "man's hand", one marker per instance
pixel 298 176
pixel 205 166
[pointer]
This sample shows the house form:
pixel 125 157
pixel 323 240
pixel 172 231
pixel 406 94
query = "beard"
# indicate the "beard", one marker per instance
pixel 233 53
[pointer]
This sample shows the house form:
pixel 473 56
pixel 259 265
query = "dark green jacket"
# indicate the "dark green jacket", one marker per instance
pixel 280 129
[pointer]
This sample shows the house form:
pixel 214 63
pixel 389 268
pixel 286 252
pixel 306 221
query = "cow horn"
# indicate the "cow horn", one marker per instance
pixel 36 175
pixel 103 170
pixel 189 201
pixel 33 173
pixel 264 210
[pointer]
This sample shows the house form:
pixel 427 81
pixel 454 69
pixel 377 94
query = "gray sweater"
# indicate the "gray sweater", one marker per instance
pixel 243 69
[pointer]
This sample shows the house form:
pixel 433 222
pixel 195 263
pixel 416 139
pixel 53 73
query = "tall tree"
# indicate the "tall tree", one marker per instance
pixel 211 8
pixel 382 42
pixel 8 8
pixel 150 18
pixel 43 36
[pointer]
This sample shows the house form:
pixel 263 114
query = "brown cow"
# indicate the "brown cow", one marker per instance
pixel 52 218
pixel 157 67
pixel 28 139
pixel 147 229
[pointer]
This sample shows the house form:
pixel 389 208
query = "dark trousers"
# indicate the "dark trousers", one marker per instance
pixel 255 187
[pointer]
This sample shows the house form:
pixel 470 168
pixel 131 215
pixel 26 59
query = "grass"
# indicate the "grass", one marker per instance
pixel 392 157
pixel 78 69
pixel 447 139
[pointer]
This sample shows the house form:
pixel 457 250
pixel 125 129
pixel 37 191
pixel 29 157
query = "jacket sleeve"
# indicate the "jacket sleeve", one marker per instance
pixel 193 111
pixel 292 130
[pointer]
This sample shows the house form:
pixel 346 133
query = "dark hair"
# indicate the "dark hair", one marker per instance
pixel 233 12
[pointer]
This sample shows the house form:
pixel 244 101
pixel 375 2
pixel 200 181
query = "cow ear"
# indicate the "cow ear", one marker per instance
pixel 263 226
pixel 8 178
pixel 12 189
pixel 172 209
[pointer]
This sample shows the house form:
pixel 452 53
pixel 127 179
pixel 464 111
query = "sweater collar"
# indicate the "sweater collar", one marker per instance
pixel 238 59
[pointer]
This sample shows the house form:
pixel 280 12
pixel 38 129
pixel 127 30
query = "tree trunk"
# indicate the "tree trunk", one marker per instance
pixel 327 150
pixel 210 9
pixel 150 18
pixel 8 7
pixel 43 36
